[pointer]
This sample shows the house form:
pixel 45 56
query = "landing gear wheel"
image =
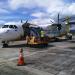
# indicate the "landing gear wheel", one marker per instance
pixel 56 40
pixel 5 45
pixel 69 37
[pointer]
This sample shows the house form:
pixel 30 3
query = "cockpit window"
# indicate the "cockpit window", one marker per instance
pixel 5 26
pixel 10 26
pixel 15 26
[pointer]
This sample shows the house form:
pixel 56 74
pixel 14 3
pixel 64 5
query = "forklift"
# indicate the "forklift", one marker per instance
pixel 37 37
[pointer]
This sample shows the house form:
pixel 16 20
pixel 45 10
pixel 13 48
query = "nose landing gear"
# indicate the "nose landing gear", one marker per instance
pixel 4 44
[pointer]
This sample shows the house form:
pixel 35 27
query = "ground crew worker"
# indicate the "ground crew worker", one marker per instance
pixel 42 33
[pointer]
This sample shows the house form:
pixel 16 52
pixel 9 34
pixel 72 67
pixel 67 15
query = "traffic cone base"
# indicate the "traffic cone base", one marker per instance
pixel 21 62
pixel 21 59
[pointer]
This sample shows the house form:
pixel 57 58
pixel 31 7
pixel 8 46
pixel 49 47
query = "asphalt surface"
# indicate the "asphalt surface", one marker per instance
pixel 56 59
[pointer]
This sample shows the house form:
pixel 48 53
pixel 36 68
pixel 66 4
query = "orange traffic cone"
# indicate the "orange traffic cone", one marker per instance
pixel 21 58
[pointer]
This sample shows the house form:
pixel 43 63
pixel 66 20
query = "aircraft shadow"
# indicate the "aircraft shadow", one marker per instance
pixel 71 48
pixel 31 46
pixel 41 46
pixel 59 40
pixel 17 46
pixel 72 41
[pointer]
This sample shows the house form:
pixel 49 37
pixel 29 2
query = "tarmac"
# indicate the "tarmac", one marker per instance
pixel 58 58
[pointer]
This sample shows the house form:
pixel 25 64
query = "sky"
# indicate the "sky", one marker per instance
pixel 41 11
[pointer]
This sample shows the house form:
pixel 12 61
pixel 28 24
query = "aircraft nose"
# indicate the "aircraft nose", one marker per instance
pixel 3 31
pixel 2 34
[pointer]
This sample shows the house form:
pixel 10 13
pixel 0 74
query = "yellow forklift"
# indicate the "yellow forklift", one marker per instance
pixel 37 37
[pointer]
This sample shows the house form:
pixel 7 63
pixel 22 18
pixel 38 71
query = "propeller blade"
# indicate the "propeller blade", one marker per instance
pixel 21 21
pixel 26 21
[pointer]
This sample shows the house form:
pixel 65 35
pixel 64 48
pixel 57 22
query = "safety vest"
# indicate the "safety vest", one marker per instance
pixel 42 33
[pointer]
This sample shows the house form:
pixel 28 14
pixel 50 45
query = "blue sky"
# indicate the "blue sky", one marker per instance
pixel 35 10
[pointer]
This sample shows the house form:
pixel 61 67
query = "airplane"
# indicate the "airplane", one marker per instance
pixel 18 31
pixel 56 30
pixel 13 31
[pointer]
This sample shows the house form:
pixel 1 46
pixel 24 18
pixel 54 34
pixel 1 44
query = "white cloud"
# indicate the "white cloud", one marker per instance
pixel 3 7
pixel 2 22
pixel 39 14
pixel 4 11
pixel 41 18
pixel 14 4
pixel 52 7
pixel 42 21
pixel 72 8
